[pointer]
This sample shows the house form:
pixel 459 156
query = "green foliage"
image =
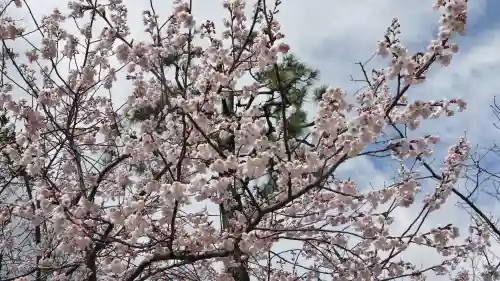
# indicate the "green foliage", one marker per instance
pixel 293 79
pixel 146 112
pixel 292 73
pixel 318 92
pixel 296 122
pixel 170 60
pixel 7 134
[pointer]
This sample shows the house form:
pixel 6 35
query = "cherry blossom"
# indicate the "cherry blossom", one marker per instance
pixel 210 182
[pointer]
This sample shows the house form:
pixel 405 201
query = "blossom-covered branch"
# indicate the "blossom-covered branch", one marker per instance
pixel 188 154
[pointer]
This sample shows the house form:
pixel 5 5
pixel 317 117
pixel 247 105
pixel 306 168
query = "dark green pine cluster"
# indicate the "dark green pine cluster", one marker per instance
pixel 290 77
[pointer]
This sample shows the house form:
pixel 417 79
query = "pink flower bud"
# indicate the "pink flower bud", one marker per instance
pixel 283 48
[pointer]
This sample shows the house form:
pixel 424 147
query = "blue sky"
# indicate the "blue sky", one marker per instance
pixel 487 19
pixel 331 35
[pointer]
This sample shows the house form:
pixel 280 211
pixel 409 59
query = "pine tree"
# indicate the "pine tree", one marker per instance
pixel 290 84
pixel 295 79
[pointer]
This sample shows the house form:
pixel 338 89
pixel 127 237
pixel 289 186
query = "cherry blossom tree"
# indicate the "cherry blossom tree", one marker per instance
pixel 168 185
pixel 479 194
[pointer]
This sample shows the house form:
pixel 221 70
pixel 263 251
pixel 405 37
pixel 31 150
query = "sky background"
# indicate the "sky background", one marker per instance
pixel 333 35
